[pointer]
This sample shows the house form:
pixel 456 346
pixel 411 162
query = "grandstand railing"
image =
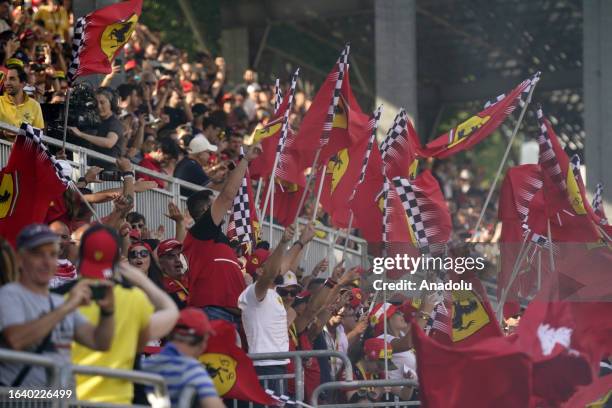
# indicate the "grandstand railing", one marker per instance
pixel 349 385
pixel 153 205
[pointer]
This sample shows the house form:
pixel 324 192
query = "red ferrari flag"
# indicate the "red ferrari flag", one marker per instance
pixel 99 37
pixel 547 332
pixel 230 368
pixel 286 201
pixel 400 148
pixel 598 394
pixel 343 173
pixel 29 182
pixel 273 134
pixel 481 125
pixel 333 122
pixel 490 373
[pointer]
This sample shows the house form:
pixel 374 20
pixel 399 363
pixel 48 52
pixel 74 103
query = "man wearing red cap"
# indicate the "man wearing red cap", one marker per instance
pixel 174 279
pixel 34 320
pixel 215 276
pixel 178 360
pixel 143 312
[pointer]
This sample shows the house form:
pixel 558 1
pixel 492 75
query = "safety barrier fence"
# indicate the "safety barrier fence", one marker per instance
pixel 153 204
pixel 351 385
pixel 61 377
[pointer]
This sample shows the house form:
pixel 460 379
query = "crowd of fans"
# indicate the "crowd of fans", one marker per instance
pixel 109 293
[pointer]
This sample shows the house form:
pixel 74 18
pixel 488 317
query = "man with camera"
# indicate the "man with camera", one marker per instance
pixel 143 312
pixel 34 320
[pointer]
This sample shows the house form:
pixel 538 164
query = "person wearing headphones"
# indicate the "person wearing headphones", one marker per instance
pixel 109 135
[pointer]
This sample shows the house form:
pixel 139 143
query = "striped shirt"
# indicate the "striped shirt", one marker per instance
pixel 180 371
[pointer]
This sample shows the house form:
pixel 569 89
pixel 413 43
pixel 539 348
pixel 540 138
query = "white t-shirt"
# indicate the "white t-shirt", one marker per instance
pixel 265 324
pixel 401 360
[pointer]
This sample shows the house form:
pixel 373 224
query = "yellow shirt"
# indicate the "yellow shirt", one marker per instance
pixel 29 112
pixel 133 311
pixel 55 22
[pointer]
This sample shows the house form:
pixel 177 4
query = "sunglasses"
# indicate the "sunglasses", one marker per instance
pixel 143 253
pixel 287 292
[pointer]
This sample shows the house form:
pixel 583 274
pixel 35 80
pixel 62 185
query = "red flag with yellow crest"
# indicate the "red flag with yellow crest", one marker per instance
pixel 481 125
pixel 28 183
pixel 230 368
pixel 99 37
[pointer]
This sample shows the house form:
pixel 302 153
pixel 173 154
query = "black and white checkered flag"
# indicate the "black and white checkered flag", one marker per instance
pixel 394 134
pixel 530 82
pixel 548 159
pixel 416 216
pixel 278 95
pixel 329 120
pixel 77 45
pixel 285 128
pixel 240 225
pixel 598 204
pixel 366 158
pixel 34 136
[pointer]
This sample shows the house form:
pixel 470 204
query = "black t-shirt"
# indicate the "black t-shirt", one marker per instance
pixel 205 229
pixel 110 124
pixel 189 170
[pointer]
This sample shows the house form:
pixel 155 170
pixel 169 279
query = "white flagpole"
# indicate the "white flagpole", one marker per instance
pixel 505 158
pixel 271 210
pixel 347 235
pixel 66 108
pixel 257 197
pixel 515 269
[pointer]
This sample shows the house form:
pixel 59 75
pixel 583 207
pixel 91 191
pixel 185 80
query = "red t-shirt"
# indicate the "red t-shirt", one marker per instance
pixel 214 277
pixel 150 163
pixel 312 370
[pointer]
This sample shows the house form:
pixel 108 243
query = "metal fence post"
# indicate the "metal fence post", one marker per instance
pixel 299 378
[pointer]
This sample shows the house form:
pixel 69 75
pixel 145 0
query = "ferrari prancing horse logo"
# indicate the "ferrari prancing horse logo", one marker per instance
pixel 8 194
pixel 116 35
pixel 222 370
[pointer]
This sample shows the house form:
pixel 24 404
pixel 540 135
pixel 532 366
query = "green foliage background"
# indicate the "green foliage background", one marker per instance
pixel 166 17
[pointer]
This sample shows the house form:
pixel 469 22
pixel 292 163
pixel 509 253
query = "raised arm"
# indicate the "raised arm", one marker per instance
pixel 107 141
pixel 272 266
pixel 166 312
pixel 224 201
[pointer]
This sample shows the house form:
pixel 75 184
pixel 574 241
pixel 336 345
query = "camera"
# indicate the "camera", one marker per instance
pixel 98 291
pixel 83 112
pixel 109 175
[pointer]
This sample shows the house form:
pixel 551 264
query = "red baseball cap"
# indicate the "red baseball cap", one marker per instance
pixel 374 350
pixel 256 260
pixel 129 65
pixel 193 321
pixel 99 253
pixel 356 298
pixel 301 297
pixel 167 246
pixel 378 315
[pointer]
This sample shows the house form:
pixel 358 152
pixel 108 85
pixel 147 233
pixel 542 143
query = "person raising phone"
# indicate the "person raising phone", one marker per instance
pixel 34 320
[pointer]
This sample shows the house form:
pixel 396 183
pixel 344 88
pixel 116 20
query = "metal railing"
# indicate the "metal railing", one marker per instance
pixel 53 369
pixel 348 385
pixel 153 205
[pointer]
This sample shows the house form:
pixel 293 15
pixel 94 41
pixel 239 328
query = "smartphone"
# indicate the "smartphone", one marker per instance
pixel 118 61
pixel 98 291
pixel 109 175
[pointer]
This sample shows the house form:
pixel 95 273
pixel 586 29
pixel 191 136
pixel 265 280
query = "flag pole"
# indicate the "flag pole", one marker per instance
pixel 271 190
pixel 281 141
pixel 550 248
pixel 89 206
pixel 257 196
pixel 347 235
pixel 66 108
pixel 515 269
pixel 506 154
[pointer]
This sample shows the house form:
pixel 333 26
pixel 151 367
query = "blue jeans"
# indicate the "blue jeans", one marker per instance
pixel 219 313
